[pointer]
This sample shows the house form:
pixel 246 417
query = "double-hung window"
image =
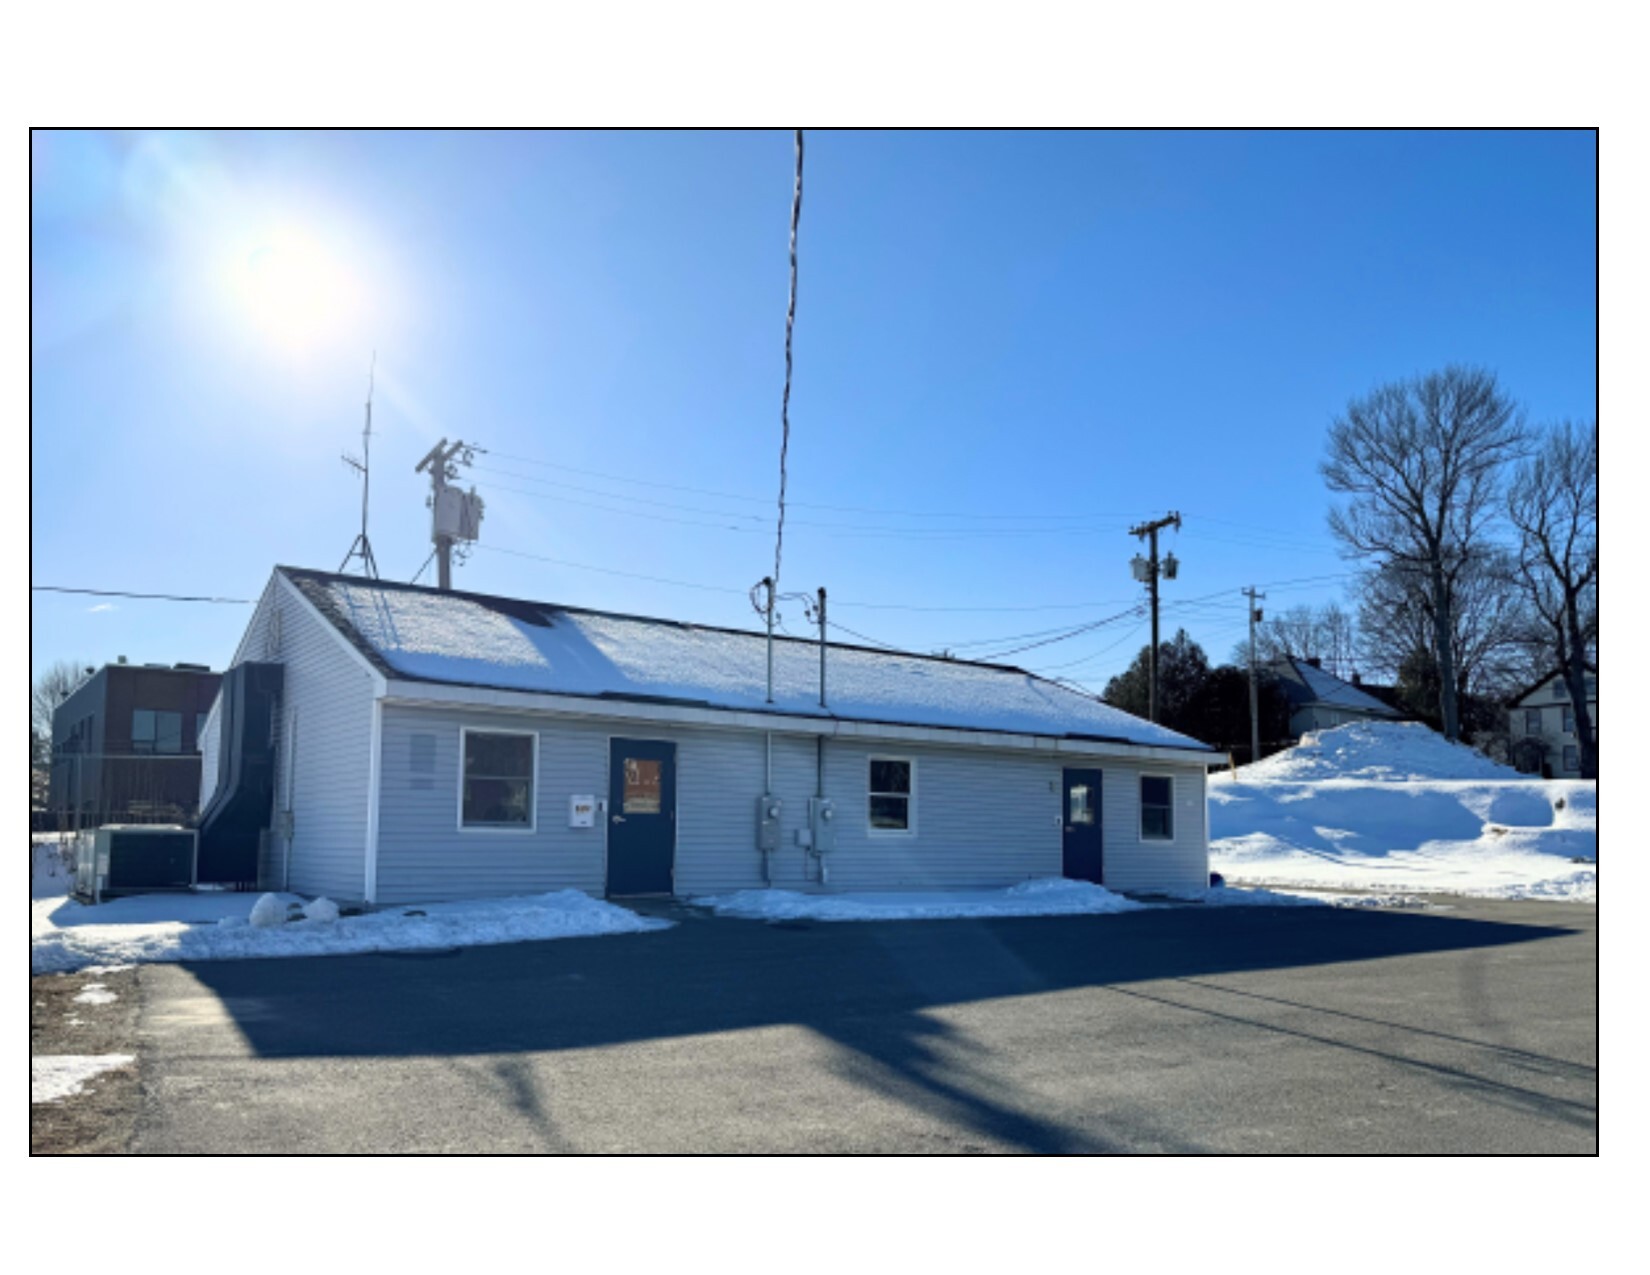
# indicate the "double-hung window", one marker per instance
pixel 1156 808
pixel 496 782
pixel 156 731
pixel 1572 757
pixel 1532 721
pixel 1569 720
pixel 892 790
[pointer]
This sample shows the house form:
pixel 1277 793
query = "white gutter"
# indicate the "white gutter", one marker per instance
pixel 375 774
pixel 439 695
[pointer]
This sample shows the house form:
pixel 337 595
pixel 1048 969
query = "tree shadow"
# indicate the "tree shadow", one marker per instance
pixel 869 988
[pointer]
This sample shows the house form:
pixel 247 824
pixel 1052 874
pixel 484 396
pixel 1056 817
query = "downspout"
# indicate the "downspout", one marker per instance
pixel 767 794
pixel 819 740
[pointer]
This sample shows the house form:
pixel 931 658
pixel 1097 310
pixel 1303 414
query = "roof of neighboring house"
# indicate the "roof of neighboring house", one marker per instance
pixel 417 633
pixel 1548 676
pixel 1304 684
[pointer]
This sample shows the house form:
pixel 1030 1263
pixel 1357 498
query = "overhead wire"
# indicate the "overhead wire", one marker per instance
pixel 150 597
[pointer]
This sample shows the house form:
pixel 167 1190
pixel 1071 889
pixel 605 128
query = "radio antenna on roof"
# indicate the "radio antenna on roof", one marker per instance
pixel 362 547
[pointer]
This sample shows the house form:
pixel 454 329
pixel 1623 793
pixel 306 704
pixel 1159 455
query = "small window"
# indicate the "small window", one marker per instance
pixel 156 732
pixel 497 784
pixel 1558 689
pixel 200 730
pixel 643 786
pixel 890 794
pixel 1082 807
pixel 1569 720
pixel 1532 721
pixel 1572 757
pixel 1156 808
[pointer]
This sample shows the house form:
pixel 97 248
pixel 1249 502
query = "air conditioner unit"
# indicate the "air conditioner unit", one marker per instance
pixel 121 859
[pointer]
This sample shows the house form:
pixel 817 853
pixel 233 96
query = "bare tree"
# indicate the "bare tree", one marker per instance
pixel 1553 502
pixel 50 689
pixel 1489 623
pixel 1325 634
pixel 1422 461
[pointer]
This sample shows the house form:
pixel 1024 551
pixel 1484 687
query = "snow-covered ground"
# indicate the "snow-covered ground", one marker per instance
pixel 64 1075
pixel 1047 897
pixel 218 926
pixel 51 865
pixel 1392 806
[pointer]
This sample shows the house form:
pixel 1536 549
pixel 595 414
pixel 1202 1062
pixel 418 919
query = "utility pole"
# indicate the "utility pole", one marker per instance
pixel 1255 616
pixel 362 547
pixel 1149 569
pixel 439 462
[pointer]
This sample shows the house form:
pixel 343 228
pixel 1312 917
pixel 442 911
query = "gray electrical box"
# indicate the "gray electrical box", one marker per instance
pixel 768 811
pixel 822 820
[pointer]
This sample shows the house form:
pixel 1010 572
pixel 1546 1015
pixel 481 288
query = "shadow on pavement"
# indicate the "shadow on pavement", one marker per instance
pixel 867 987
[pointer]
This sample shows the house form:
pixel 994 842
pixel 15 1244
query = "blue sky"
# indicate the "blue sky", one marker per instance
pixel 1009 347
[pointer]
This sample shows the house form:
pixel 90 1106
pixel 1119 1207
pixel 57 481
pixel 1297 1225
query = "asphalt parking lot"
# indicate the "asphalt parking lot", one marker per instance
pixel 1466 1028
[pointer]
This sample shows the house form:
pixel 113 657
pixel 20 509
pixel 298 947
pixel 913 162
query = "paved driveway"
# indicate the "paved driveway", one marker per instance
pixel 1182 1030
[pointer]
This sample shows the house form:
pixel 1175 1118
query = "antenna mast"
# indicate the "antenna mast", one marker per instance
pixel 362 547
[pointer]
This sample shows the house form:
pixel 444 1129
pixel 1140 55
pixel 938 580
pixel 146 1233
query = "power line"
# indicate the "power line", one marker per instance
pixel 152 597
pixel 790 328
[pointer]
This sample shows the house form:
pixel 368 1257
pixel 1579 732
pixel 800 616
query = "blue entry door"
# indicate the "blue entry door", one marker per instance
pixel 1082 848
pixel 641 817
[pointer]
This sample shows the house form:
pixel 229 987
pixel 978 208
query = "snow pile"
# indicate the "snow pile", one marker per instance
pixel 207 927
pixel 267 911
pixel 64 1076
pixel 1047 897
pixel 96 994
pixel 320 910
pixel 1394 807
pixel 524 646
pixel 1390 752
pixel 51 866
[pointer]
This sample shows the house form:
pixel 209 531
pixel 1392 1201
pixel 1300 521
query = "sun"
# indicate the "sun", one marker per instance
pixel 295 289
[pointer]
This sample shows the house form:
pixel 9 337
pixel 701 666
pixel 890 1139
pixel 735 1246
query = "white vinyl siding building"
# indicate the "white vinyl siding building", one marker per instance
pixel 1542 727
pixel 375 802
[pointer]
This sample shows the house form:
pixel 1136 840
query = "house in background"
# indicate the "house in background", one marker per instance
pixel 1320 700
pixel 442 745
pixel 125 744
pixel 1542 726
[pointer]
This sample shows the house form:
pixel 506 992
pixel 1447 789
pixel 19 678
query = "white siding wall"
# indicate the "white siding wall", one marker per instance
pixel 983 818
pixel 323 773
pixel 209 743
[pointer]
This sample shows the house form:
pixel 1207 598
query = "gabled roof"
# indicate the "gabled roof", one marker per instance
pixel 1304 684
pixel 414 633
pixel 1546 677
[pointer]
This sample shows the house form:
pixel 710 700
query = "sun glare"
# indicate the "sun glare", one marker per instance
pixel 295 290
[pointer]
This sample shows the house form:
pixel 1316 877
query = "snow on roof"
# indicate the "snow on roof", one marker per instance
pixel 470 639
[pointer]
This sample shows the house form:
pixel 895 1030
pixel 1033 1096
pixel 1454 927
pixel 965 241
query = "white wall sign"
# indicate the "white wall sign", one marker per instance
pixel 581 812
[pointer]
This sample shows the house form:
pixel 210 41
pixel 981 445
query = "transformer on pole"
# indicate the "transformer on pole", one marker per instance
pixel 455 515
pixel 1149 569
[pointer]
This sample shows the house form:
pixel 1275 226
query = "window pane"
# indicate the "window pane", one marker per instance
pixel 168 732
pixel 1155 822
pixel 1154 790
pixel 643 786
pixel 1532 721
pixel 1569 721
pixel 891 812
pixel 497 801
pixel 143 730
pixel 510 756
pixel 890 776
pixel 1081 811
pixel 200 728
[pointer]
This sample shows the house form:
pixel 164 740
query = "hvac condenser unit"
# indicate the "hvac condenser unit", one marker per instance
pixel 133 858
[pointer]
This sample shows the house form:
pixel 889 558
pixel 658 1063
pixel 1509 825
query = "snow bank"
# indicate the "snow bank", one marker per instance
pixel 1048 897
pixel 1394 807
pixel 320 910
pixel 65 1075
pixel 96 994
pixel 207 927
pixel 51 866
pixel 267 911
pixel 1390 752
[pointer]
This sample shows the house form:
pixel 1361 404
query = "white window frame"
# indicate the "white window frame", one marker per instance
pixel 910 829
pixel 1140 800
pixel 464 732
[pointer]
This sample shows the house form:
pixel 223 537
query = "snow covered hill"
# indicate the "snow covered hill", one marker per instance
pixel 1392 805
